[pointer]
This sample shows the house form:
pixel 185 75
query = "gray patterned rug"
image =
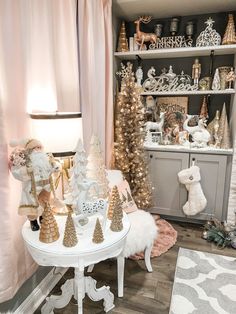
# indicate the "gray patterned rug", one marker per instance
pixel 204 284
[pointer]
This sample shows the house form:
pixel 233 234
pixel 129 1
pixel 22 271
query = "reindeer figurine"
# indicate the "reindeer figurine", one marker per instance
pixel 86 207
pixel 142 37
pixel 157 126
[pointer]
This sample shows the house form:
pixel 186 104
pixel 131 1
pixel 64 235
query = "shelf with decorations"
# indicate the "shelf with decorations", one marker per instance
pixel 209 78
pixel 163 53
pixel 189 105
pixel 192 92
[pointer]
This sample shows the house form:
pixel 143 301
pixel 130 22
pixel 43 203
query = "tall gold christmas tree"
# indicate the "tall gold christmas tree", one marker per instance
pixel 224 132
pixel 98 234
pixel 49 229
pixel 122 41
pixel 230 35
pixel 114 201
pixel 116 222
pixel 70 237
pixel 129 152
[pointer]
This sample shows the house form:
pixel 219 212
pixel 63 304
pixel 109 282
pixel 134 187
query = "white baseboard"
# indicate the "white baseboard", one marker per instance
pixel 37 296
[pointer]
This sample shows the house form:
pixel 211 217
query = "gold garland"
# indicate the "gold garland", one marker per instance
pixel 28 206
pixel 52 186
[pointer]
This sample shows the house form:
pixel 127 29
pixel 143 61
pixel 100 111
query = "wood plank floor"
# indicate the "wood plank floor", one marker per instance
pixel 144 293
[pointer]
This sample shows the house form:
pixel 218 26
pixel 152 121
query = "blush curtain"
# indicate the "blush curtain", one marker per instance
pixel 95 69
pixel 38 72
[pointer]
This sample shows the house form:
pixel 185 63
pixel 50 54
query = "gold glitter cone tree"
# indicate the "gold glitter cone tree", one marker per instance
pixel 204 110
pixel 210 127
pixel 229 36
pixel 224 132
pixel 98 234
pixel 70 237
pixel 122 41
pixel 114 201
pixel 129 152
pixel 96 168
pixel 49 229
pixel 116 222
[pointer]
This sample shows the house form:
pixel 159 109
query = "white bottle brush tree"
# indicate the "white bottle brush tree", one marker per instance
pixel 78 173
pixel 96 169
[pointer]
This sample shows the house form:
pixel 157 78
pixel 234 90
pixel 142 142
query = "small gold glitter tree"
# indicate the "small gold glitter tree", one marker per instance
pixel 98 234
pixel 49 229
pixel 116 222
pixel 114 201
pixel 70 237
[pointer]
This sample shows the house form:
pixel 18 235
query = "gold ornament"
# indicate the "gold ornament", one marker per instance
pixel 224 132
pixel 204 109
pixel 49 229
pixel 229 36
pixel 70 237
pixel 129 152
pixel 114 201
pixel 98 234
pixel 123 42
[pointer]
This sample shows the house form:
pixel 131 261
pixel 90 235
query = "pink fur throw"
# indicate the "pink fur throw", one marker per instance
pixel 166 238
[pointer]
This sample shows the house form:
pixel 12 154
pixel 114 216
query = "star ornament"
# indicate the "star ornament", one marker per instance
pixel 209 22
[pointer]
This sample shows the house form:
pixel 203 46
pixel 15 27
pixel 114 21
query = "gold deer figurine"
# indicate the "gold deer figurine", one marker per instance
pixel 142 37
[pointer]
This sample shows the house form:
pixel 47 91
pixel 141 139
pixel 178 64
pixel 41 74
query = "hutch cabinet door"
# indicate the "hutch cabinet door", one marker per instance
pixel 168 194
pixel 212 170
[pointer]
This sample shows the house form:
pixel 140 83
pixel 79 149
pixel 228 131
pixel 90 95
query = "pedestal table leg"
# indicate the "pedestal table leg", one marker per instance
pixel 79 288
pixel 59 301
pixel 120 275
pixel 99 294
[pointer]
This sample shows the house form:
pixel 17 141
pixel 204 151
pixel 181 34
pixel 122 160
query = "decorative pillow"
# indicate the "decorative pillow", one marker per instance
pixel 128 204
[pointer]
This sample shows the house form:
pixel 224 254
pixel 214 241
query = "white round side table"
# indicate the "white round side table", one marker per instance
pixel 83 254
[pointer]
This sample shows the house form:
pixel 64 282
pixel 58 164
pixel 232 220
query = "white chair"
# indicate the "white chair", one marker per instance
pixel 143 232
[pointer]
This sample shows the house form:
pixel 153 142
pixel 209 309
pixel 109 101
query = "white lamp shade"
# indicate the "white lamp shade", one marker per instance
pixel 58 132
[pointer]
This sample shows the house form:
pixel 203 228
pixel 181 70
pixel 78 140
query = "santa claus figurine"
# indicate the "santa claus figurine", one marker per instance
pixel 33 167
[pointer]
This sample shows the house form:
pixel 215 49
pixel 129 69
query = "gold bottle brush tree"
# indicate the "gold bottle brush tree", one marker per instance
pixel 230 34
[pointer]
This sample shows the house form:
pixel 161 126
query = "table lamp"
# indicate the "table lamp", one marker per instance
pixel 59 133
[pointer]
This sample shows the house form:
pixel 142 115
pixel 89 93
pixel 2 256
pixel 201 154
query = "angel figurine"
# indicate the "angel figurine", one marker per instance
pixel 139 76
pixel 230 78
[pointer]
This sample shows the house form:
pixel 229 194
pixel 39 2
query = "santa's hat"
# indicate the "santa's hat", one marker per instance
pixel 27 143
